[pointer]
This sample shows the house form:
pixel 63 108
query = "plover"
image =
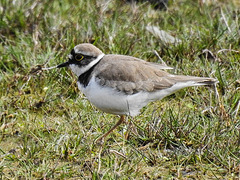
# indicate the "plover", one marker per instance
pixel 123 85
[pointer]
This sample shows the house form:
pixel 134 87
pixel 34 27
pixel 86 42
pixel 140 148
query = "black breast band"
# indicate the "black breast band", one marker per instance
pixel 85 77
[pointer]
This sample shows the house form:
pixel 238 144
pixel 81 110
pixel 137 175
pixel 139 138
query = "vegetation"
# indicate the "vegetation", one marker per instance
pixel 48 128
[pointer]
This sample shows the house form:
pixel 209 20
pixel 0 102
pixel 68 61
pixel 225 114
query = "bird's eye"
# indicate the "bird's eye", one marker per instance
pixel 79 57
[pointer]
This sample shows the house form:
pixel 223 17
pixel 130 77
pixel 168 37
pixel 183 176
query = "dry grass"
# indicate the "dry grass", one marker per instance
pixel 48 128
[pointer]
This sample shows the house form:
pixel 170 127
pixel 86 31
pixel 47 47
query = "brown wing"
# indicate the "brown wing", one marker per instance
pixel 131 75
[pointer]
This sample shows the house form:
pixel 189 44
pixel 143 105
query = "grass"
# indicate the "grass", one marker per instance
pixel 48 127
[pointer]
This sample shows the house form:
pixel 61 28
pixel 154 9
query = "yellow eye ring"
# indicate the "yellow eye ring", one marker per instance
pixel 79 57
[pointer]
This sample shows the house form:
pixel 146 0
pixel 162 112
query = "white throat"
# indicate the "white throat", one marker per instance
pixel 80 70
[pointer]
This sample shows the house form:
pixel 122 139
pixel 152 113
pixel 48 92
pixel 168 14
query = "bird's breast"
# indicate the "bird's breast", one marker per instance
pixel 105 98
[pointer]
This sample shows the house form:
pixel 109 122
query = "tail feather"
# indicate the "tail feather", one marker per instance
pixel 197 81
pixel 179 82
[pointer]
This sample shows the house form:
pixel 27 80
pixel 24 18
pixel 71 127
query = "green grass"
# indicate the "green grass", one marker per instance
pixel 48 128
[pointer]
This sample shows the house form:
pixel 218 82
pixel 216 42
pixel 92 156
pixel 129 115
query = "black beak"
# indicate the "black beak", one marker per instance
pixel 63 65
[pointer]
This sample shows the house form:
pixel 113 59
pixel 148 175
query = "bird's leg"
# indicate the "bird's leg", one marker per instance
pixel 131 127
pixel 121 120
pixel 129 124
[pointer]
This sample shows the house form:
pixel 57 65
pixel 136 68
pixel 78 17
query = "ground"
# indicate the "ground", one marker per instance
pixel 48 128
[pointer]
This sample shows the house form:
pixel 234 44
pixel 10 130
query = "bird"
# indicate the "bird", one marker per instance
pixel 122 85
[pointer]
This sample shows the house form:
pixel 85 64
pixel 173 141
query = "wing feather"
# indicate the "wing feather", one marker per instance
pixel 132 75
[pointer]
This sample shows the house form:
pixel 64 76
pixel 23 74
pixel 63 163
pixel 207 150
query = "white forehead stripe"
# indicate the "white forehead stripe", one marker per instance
pixel 70 56
pixel 76 50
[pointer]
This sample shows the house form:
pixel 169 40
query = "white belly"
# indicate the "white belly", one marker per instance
pixel 112 101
